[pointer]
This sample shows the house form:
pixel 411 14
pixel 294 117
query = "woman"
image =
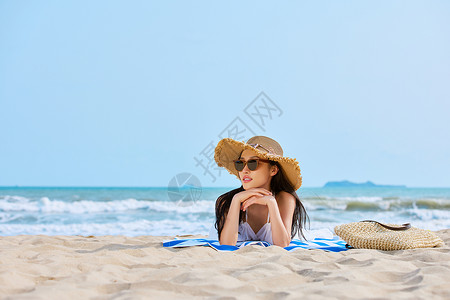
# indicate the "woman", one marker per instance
pixel 266 206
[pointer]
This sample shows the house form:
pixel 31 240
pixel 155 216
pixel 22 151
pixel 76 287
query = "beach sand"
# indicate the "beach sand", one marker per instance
pixel 119 267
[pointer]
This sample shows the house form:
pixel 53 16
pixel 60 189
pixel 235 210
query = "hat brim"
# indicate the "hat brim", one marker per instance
pixel 228 150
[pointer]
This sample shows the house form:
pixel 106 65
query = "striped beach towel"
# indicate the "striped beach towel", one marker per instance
pixel 334 244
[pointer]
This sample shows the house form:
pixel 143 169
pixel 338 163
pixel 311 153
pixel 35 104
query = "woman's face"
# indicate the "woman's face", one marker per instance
pixel 259 178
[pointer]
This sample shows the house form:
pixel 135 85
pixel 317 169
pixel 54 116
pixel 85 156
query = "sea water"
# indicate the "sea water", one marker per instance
pixel 156 211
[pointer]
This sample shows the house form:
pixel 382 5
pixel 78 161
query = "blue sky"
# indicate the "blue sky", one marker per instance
pixel 127 93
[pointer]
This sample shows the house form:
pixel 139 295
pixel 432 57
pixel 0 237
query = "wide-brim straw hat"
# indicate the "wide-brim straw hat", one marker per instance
pixel 228 150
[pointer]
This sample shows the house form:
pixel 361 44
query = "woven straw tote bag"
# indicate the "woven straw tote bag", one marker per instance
pixel 370 234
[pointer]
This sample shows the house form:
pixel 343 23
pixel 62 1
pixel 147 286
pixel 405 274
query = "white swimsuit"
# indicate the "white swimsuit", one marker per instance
pixel 246 233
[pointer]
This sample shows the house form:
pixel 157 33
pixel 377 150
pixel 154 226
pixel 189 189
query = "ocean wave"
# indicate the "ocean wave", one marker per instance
pixel 364 206
pixel 10 218
pixel 45 205
pixel 135 228
pixel 168 227
pixel 357 204
pixel 328 198
pixel 429 214
pixel 14 199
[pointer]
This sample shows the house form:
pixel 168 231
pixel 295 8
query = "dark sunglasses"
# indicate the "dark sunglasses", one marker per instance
pixel 251 163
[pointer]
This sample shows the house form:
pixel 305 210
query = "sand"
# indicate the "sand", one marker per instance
pixel 119 267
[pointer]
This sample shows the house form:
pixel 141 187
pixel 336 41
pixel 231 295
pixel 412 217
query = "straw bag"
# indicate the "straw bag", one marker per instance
pixel 374 235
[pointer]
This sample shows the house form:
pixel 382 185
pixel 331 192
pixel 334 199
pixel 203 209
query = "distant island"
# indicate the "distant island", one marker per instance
pixel 346 183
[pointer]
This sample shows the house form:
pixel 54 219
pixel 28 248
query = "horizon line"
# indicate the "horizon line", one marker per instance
pixel 219 187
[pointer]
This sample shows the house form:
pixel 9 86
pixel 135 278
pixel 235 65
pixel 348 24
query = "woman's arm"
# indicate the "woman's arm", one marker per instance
pixel 229 233
pixel 281 211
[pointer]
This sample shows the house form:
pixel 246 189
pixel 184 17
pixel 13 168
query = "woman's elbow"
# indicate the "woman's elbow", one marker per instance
pixel 283 244
pixel 226 239
pixel 227 243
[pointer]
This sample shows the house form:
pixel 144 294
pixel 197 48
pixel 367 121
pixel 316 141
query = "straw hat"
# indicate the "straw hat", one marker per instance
pixel 228 150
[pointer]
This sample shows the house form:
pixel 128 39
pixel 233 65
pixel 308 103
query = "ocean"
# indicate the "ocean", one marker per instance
pixel 161 211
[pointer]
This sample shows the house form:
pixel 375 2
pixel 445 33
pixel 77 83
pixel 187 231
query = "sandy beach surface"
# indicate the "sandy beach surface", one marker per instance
pixel 119 267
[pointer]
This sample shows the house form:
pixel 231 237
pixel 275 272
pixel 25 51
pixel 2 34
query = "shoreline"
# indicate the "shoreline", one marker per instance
pixel 104 267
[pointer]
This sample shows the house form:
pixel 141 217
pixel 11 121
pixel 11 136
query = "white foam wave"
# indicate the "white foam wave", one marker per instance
pixel 141 227
pixel 17 199
pixel 376 203
pixel 359 199
pixel 429 214
pixel 85 206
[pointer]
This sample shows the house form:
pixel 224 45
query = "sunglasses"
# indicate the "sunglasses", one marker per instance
pixel 251 163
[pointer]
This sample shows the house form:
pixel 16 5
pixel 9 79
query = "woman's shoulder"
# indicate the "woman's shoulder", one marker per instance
pixel 284 194
pixel 284 197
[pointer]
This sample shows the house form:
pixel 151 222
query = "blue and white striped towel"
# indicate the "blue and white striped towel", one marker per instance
pixel 334 244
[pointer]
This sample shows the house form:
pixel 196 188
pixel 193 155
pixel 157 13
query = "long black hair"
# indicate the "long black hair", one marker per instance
pixel 278 183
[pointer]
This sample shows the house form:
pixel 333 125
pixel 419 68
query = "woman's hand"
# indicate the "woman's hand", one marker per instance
pixel 262 200
pixel 253 192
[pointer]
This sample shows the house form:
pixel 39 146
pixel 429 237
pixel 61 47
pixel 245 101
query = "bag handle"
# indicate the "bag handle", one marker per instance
pixel 405 226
